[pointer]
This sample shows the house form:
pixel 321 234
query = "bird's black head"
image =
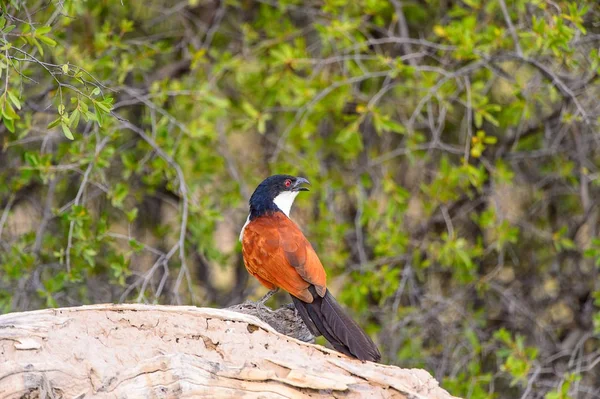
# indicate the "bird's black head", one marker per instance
pixel 276 193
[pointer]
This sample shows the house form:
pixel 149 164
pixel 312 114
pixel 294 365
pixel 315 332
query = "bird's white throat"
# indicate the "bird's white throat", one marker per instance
pixel 284 202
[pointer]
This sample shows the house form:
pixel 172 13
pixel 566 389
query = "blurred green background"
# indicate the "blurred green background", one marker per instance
pixel 452 146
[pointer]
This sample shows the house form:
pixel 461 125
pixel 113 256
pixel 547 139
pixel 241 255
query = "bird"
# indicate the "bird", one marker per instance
pixel 278 255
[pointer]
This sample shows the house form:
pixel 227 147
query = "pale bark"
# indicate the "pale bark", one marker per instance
pixel 139 351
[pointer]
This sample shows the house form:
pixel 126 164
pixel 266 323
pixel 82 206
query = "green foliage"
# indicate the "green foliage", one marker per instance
pixel 452 148
pixel 518 359
pixel 562 392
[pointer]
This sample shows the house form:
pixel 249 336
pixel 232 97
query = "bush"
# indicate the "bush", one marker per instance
pixel 452 147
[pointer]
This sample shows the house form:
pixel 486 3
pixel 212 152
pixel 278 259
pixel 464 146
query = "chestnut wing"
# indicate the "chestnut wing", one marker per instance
pixel 275 250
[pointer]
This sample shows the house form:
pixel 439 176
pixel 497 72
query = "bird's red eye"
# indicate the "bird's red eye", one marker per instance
pixel 288 183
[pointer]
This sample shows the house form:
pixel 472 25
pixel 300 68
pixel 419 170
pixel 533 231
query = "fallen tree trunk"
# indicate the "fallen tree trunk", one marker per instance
pixel 140 351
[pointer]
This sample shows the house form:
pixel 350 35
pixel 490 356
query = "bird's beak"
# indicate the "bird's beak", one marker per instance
pixel 297 184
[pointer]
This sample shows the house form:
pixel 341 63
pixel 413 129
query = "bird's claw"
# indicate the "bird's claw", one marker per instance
pixel 267 296
pixel 260 304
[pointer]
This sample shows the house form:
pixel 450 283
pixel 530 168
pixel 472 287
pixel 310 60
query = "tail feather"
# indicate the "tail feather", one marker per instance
pixel 303 312
pixel 324 316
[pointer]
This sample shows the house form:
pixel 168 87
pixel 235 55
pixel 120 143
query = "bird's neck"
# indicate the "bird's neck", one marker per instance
pixel 283 202
pixel 262 209
pixel 260 206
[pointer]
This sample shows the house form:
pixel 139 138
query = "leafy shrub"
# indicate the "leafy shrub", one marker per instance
pixel 452 147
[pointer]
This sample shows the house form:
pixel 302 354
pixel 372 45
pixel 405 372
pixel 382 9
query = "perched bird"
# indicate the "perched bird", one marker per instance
pixel 276 252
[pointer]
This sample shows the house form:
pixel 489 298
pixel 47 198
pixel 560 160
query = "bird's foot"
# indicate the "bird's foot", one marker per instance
pixel 267 296
pixel 260 304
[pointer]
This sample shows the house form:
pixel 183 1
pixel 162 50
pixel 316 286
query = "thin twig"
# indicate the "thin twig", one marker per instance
pixel 403 29
pixel 215 25
pixel 162 260
pixel 77 200
pixel 183 190
pixel 4 217
pixel 511 27
pixel 469 119
pixel 46 216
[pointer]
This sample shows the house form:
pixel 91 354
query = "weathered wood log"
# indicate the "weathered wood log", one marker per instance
pixel 140 351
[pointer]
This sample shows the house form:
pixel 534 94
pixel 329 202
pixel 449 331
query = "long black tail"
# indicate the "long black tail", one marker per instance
pixel 324 316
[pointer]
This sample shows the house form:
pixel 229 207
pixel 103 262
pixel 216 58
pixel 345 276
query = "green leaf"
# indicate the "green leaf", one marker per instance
pixel 89 254
pixel 262 126
pixel 132 214
pixel 478 119
pixel 14 99
pixel 37 45
pixel 98 116
pixel 74 118
pixel 10 124
pixel 47 40
pixel 43 30
pixel 54 123
pixel 103 106
pixel 118 195
pixel 250 110
pixel 8 112
pixel 67 131
pixel 32 158
pixel 136 245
